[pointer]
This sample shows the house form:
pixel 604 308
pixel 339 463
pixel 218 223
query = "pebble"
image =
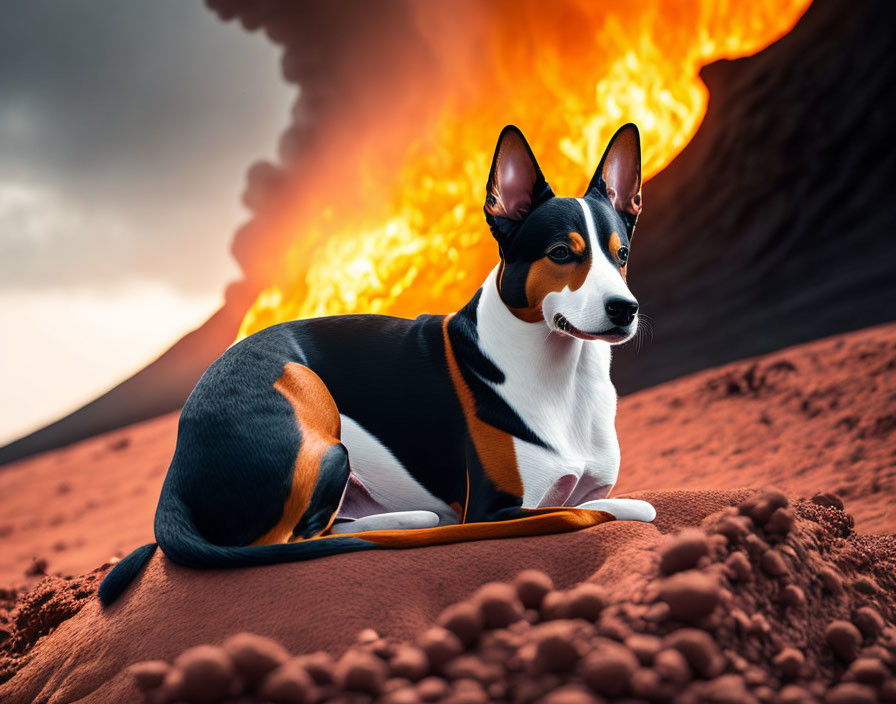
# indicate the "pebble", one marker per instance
pixel 570 694
pixel 400 695
pixel 586 601
pixel 464 619
pixel 254 656
pixel 554 605
pixel 831 580
pixel 759 625
pixel 498 605
pixel 320 666
pixel 773 564
pixel 555 650
pixel 683 551
pixel 867 671
pixel 844 639
pixel 735 528
pixel 409 662
pixel 672 667
pixel 646 684
pixel 207 674
pixel 790 662
pixel 727 689
pixel 863 585
pixel 829 500
pixel 608 668
pixel 699 649
pixel 467 692
pixel 366 636
pixel 765 505
pixel 780 522
pixel 793 596
pixel 288 684
pixel 644 646
pixel 149 675
pixel 532 586
pixel 869 621
pixel 739 565
pixel 690 595
pixel 432 689
pixel 794 694
pixel 440 645
pixel 471 667
pixel 851 693
pixel 360 671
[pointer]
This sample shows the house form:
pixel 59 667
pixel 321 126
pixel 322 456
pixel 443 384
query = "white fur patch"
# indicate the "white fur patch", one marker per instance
pixel 388 482
pixel 560 387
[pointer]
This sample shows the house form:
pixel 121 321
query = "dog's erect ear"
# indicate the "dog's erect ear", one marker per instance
pixel 618 175
pixel 515 185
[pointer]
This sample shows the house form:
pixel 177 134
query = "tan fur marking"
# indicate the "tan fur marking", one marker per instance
pixel 615 244
pixel 546 276
pixel 494 447
pixel 318 418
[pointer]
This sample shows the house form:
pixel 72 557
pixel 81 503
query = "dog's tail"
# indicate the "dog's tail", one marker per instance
pixel 123 573
pixel 182 542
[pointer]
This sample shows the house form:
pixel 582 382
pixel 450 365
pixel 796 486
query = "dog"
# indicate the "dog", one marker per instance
pixel 355 432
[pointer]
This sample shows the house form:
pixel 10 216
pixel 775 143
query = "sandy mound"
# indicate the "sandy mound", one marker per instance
pixel 762 603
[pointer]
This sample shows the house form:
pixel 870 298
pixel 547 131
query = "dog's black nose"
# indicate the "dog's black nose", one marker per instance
pixel 621 311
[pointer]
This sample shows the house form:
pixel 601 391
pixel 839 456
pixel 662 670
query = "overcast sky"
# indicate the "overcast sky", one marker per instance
pixel 125 132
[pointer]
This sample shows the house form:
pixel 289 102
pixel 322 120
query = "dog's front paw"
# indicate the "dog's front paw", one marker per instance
pixel 623 509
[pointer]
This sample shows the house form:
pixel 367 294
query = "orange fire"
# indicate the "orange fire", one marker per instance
pixel 413 238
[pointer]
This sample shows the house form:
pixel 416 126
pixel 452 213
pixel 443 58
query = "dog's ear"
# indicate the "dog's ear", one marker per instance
pixel 515 185
pixel 618 176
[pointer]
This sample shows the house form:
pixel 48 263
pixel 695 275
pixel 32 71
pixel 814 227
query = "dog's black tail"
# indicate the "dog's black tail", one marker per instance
pixel 124 572
pixel 182 543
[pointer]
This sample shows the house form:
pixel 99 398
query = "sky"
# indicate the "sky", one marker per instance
pixel 125 133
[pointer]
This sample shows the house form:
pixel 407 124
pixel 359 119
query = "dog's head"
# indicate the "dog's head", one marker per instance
pixel 563 260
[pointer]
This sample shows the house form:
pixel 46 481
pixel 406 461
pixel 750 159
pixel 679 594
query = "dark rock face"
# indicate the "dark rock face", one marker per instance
pixel 775 225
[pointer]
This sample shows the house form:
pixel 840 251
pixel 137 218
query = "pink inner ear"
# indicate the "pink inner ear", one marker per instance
pixel 622 173
pixel 513 180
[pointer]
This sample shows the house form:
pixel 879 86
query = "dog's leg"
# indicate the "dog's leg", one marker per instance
pixel 321 470
pixel 396 520
pixel 623 509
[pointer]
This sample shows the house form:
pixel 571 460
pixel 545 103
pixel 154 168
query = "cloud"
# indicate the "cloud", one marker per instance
pixel 133 123
pixel 62 349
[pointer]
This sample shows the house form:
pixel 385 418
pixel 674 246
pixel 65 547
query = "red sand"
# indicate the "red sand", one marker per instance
pixel 819 417
pixel 755 600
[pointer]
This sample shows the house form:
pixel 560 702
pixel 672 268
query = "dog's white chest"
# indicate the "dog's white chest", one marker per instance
pixel 576 422
pixel 560 387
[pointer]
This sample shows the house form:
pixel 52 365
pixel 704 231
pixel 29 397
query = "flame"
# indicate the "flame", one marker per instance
pixel 413 238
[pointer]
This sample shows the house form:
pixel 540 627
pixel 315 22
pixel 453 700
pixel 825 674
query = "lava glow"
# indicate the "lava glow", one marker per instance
pixel 568 74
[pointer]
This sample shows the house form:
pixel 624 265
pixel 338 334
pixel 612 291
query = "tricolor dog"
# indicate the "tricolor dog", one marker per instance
pixel 355 432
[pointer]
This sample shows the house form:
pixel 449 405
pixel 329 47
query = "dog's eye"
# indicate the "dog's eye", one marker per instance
pixel 622 255
pixel 560 253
